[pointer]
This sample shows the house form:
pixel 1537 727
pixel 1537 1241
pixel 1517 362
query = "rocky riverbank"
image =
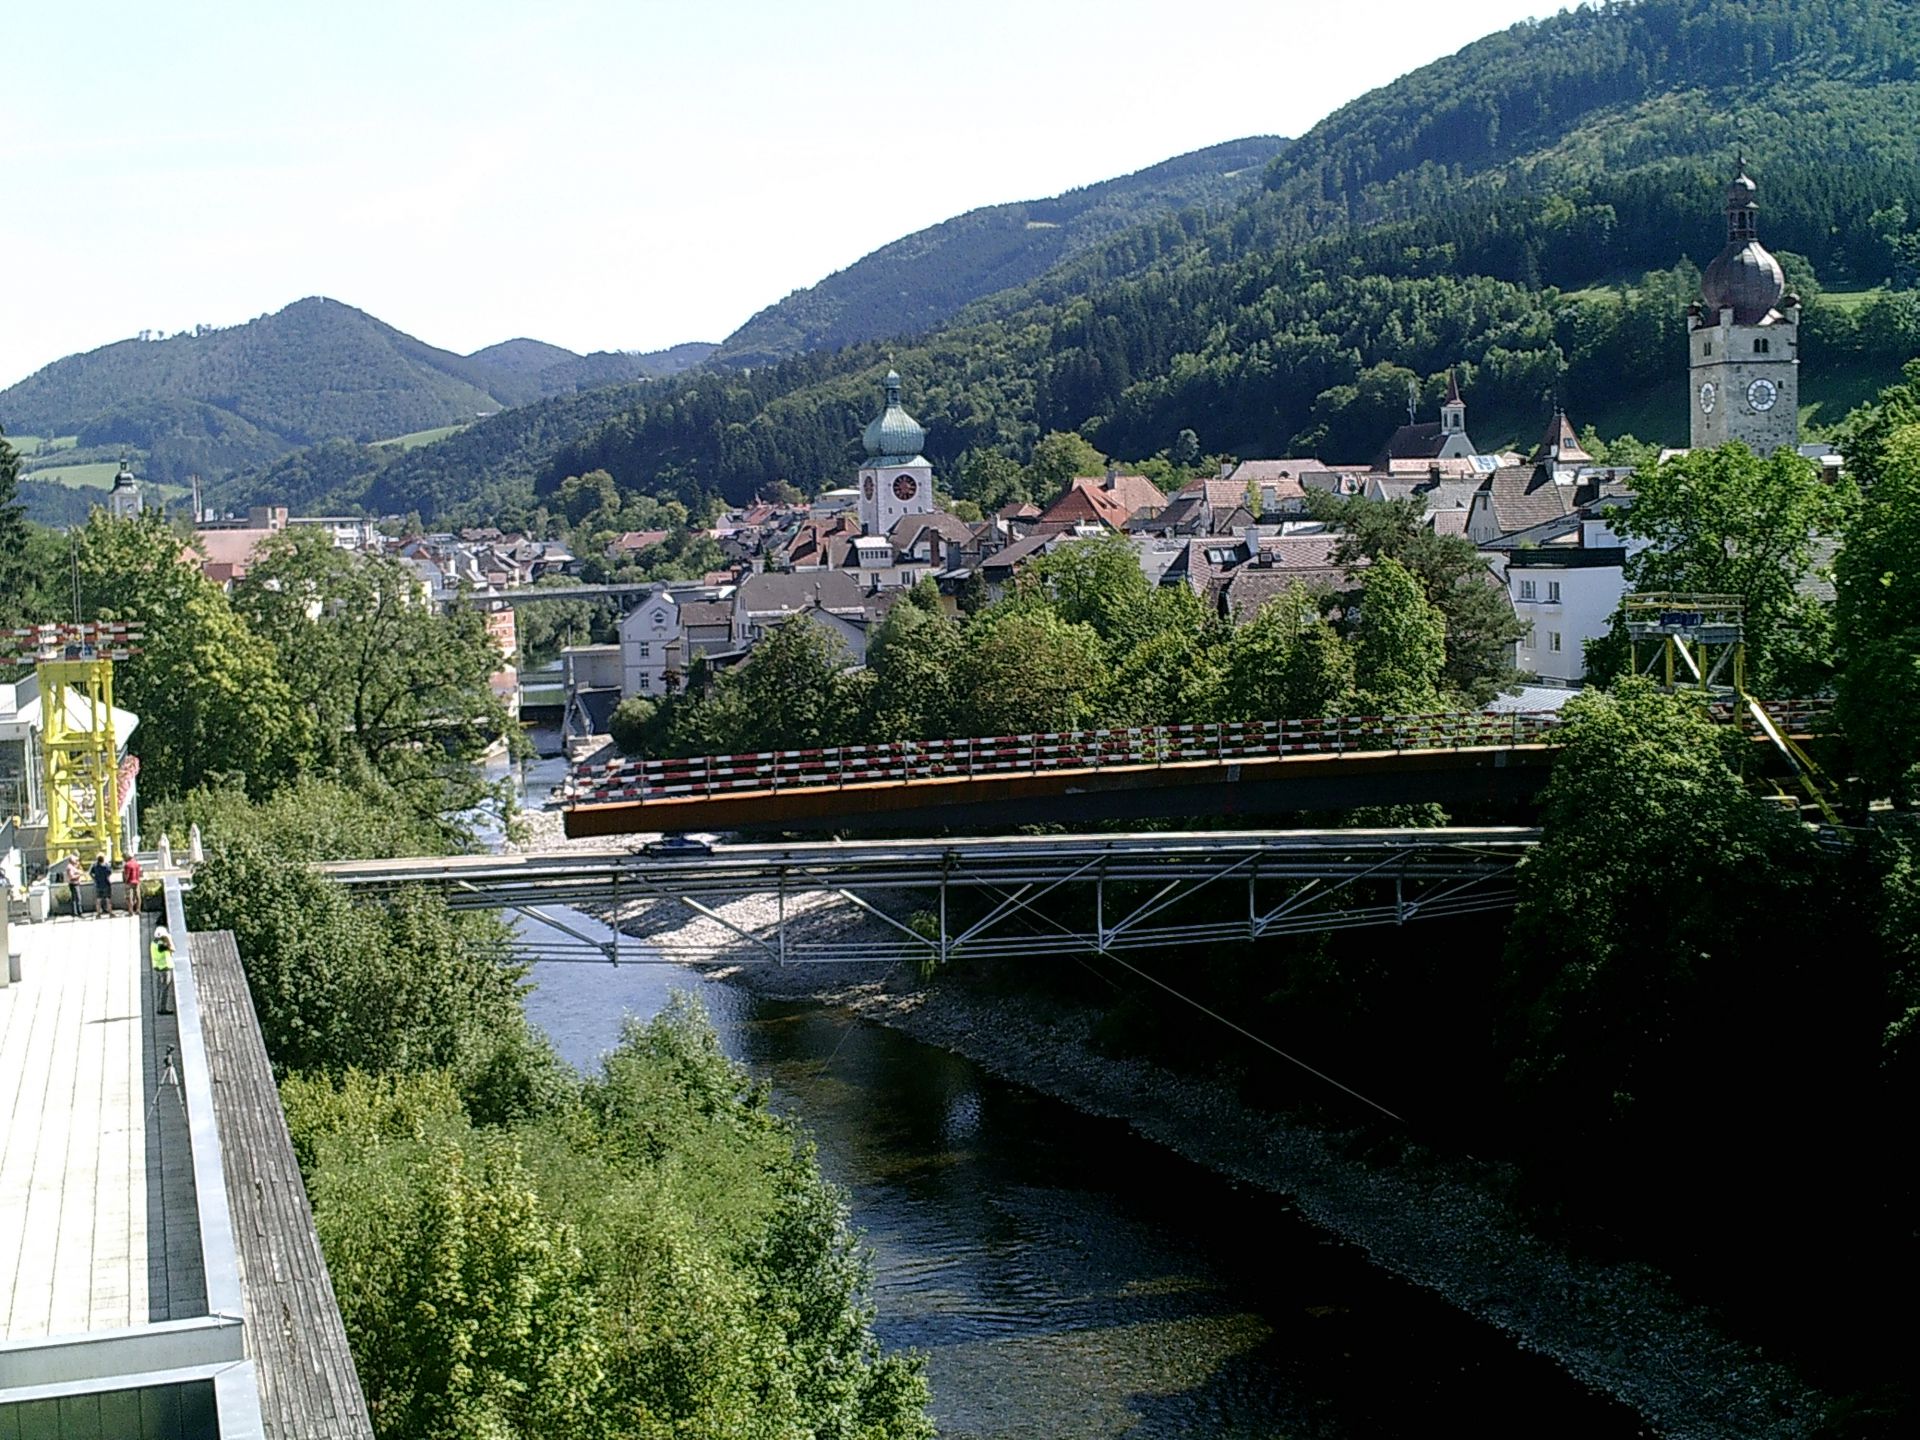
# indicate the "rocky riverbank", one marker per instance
pixel 1451 1225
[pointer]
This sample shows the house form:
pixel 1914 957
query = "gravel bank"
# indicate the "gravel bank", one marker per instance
pixel 1448 1224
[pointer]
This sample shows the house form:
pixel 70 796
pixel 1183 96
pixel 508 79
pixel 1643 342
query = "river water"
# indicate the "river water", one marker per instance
pixel 1066 1278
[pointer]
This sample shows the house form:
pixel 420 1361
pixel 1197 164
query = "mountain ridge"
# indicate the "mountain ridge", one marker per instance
pixel 212 401
pixel 914 283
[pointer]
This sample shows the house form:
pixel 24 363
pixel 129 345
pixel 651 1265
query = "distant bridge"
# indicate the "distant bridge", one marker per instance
pixel 1020 897
pixel 1237 768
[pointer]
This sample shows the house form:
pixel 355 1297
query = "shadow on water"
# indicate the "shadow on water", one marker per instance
pixel 1067 1278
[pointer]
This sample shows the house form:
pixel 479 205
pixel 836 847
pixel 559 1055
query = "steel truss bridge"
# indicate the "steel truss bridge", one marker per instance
pixel 1018 897
pixel 1250 767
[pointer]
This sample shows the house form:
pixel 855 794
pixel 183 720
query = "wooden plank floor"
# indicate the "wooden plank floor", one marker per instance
pixel 309 1389
pixel 98 1225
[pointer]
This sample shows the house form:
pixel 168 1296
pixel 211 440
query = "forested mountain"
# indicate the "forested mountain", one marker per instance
pixel 1397 234
pixel 1532 210
pixel 917 282
pixel 216 401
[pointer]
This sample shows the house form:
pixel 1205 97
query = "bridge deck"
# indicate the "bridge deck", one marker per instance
pixel 1244 785
pixel 98 1222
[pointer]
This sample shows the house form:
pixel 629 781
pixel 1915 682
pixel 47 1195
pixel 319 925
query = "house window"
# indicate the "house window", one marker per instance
pixel 1526 590
pixel 1553 641
pixel 1553 592
pixel 1761 347
pixel 646 680
pixel 1709 349
pixel 1530 641
pixel 646 650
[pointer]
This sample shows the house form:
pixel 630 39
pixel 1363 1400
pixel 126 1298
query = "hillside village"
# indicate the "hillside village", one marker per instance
pixel 1238 538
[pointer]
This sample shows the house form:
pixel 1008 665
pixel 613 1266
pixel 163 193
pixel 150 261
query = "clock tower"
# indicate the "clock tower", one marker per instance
pixel 1743 340
pixel 896 480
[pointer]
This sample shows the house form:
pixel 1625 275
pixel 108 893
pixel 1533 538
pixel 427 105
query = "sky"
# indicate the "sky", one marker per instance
pixel 600 174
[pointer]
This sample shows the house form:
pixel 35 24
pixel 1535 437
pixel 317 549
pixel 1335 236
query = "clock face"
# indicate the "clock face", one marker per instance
pixel 1762 394
pixel 867 486
pixel 1709 397
pixel 905 487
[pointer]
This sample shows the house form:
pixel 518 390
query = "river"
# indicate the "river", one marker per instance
pixel 1066 1278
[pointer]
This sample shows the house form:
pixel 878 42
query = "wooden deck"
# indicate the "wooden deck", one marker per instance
pixel 99 1229
pixel 309 1389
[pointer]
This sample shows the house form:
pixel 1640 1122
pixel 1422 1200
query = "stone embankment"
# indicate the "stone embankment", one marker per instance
pixel 1450 1224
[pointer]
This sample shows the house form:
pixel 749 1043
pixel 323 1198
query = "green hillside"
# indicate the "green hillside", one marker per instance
pixel 1394 240
pixel 1532 210
pixel 927 277
pixel 218 401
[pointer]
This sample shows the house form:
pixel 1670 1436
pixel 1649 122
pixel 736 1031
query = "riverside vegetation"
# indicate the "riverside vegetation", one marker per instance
pixel 517 1250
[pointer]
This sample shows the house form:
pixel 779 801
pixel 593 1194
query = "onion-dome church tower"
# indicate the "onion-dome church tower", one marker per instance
pixel 897 479
pixel 123 501
pixel 1744 340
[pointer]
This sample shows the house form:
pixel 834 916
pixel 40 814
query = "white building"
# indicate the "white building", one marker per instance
pixel 1565 595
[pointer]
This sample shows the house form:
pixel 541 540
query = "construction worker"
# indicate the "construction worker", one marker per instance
pixel 162 952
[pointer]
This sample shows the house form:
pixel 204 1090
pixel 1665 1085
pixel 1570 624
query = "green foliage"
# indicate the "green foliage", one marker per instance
pixel 1058 458
pixel 1023 670
pixel 631 723
pixel 1724 522
pixel 389 681
pixel 468 1307
pixel 1878 619
pixel 210 696
pixel 1481 627
pixel 659 1256
pixel 920 281
pixel 1400 644
pixel 1627 961
pixel 1286 663
pixel 911 657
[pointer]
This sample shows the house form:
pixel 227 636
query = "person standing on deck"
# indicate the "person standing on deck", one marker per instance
pixel 102 885
pixel 162 954
pixel 130 875
pixel 70 872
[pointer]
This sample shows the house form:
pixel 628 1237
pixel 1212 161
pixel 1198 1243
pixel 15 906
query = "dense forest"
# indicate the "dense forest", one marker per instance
pixel 925 278
pixel 216 401
pixel 1533 210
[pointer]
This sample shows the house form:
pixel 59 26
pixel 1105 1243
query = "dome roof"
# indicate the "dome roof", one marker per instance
pixel 1746 279
pixel 894 432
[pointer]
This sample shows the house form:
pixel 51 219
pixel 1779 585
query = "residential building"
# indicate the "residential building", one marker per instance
pixel 1566 595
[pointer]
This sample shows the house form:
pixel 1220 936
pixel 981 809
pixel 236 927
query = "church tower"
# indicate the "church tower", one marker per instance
pixel 123 501
pixel 1453 414
pixel 1744 340
pixel 897 479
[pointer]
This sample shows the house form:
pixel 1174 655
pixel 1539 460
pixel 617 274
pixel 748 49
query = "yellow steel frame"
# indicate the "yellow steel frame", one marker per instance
pixel 81 758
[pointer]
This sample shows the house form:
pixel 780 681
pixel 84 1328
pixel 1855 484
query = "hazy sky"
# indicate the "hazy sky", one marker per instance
pixel 603 174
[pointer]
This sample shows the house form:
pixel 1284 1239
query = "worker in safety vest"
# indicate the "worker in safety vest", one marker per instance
pixel 162 952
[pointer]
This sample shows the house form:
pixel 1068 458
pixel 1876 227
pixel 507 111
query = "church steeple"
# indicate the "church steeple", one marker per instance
pixel 1453 414
pixel 896 480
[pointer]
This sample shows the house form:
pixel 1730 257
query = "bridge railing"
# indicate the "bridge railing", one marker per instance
pixel 905 761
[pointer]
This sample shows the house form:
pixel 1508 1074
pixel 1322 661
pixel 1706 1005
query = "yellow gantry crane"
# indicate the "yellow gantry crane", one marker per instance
pixel 80 754
pixel 1698 642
